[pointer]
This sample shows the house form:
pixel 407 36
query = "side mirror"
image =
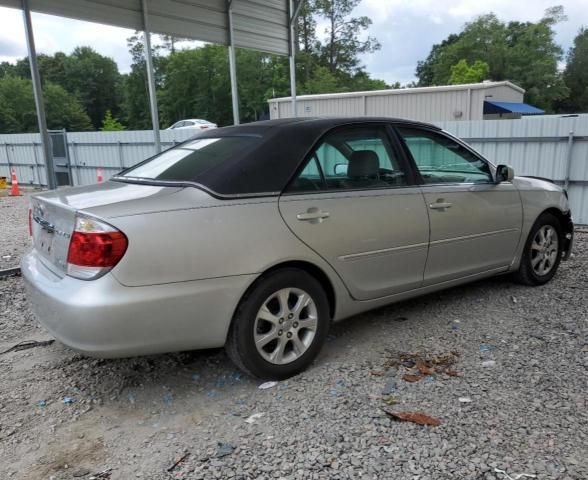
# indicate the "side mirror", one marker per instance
pixel 504 173
pixel 340 169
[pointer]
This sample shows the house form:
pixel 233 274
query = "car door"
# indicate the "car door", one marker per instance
pixel 355 204
pixel 475 222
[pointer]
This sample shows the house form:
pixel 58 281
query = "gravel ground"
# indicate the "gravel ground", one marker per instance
pixel 514 400
pixel 14 229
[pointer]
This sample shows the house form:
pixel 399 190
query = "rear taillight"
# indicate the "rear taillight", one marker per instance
pixel 95 247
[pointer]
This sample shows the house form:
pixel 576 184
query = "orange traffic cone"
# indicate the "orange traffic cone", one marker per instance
pixel 14 190
pixel 99 176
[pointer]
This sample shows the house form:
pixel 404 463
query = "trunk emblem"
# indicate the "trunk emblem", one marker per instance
pixel 38 213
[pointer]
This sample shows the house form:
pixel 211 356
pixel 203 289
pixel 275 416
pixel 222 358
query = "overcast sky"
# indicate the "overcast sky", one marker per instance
pixel 406 29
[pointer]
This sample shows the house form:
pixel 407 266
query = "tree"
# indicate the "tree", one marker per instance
pixel 576 75
pixel 462 73
pixel 306 27
pixel 111 124
pixel 343 45
pixel 524 53
pixel 135 104
pixel 6 69
pixel 169 42
pixel 63 110
pixel 17 107
pixel 95 80
pixel 425 69
pixel 197 85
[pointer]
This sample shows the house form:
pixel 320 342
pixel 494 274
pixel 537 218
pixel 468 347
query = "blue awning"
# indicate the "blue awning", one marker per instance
pixel 510 107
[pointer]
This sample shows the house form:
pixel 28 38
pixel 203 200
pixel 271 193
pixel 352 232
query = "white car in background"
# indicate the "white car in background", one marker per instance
pixel 193 124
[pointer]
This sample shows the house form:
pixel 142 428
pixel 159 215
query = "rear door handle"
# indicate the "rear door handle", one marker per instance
pixel 313 215
pixel 440 205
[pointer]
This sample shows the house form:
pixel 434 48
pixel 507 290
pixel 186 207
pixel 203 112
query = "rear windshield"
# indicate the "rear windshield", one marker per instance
pixel 192 159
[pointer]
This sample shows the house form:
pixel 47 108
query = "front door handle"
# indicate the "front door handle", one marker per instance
pixel 313 215
pixel 440 205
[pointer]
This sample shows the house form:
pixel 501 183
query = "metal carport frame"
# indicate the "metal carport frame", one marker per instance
pixel 264 25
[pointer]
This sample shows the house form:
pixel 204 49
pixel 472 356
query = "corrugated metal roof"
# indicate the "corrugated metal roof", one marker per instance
pixel 257 24
pixel 403 91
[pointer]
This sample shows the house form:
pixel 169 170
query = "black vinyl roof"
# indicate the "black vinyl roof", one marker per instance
pixel 267 168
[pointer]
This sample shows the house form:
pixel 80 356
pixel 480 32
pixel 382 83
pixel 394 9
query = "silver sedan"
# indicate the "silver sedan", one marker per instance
pixel 258 237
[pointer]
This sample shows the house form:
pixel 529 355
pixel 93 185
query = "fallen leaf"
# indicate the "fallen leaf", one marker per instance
pixel 412 378
pixel 378 373
pixel 390 400
pixel 424 368
pixel 414 417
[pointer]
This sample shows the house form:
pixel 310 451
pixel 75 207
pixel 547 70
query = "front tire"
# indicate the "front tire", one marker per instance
pixel 280 325
pixel 542 253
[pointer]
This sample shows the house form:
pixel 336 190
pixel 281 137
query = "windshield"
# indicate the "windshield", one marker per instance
pixel 192 159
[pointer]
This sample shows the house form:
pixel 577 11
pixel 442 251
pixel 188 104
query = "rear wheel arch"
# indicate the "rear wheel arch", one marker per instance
pixel 308 267
pixel 297 278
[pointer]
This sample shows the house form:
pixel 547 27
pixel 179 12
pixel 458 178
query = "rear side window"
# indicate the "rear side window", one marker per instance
pixel 192 159
pixel 353 158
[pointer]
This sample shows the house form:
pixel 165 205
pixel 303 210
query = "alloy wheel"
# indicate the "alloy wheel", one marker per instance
pixel 285 325
pixel 544 250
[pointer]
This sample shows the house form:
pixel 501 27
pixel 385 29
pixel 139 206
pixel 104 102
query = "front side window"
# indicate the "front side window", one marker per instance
pixel 440 159
pixel 349 159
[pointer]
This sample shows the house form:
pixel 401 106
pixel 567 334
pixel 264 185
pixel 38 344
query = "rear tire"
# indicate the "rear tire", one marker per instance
pixel 280 325
pixel 542 252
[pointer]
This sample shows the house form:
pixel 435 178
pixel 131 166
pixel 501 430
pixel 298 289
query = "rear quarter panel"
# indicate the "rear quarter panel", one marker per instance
pixel 218 238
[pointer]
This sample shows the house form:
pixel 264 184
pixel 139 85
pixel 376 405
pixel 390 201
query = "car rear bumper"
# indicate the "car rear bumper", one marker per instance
pixel 103 318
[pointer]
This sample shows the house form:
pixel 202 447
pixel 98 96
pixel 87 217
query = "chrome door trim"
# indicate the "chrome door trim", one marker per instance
pixel 353 256
pixel 476 235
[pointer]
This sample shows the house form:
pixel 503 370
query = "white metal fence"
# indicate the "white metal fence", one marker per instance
pixel 551 147
pixel 88 151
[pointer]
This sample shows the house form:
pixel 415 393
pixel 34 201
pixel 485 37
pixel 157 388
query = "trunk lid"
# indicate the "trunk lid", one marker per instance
pixel 53 213
pixel 52 225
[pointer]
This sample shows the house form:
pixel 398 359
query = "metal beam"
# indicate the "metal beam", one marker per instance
pixel 233 64
pixel 38 93
pixel 150 77
pixel 569 159
pixel 293 15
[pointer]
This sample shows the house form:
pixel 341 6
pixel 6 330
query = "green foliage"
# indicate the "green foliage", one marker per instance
pixel 111 124
pixel 344 40
pixel 17 107
pixel 524 53
pixel 94 79
pixel 197 85
pixel 576 76
pixel 462 73
pixel 136 114
pixel 64 110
